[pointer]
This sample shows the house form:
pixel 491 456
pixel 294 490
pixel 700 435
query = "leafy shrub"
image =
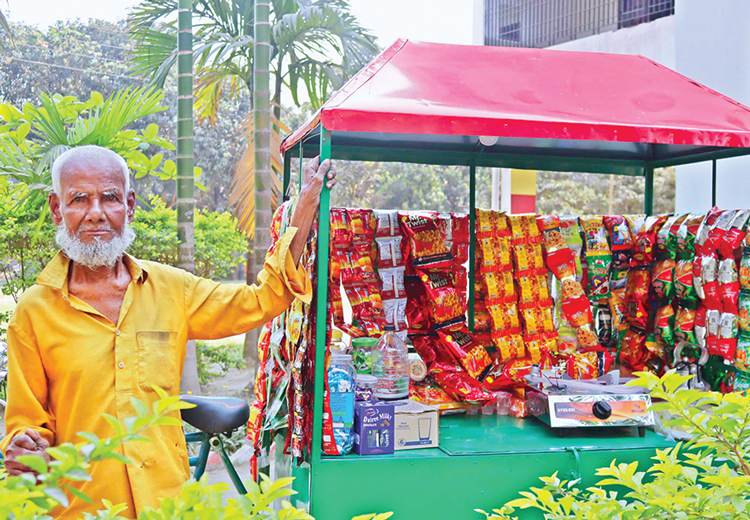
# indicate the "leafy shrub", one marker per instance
pixel 27 243
pixel 216 360
pixel 219 247
pixel 28 497
pixel 707 477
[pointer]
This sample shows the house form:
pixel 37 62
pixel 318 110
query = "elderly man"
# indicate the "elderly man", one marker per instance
pixel 100 327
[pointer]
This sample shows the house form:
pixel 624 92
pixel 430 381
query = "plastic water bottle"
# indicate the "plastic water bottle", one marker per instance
pixel 390 364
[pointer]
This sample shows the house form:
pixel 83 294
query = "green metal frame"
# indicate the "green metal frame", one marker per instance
pixel 200 461
pixel 328 481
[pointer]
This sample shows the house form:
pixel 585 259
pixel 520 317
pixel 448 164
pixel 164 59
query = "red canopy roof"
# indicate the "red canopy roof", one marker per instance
pixel 429 88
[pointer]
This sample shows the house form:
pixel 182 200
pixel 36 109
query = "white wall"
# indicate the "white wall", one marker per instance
pixel 478 22
pixel 654 40
pixel 713 48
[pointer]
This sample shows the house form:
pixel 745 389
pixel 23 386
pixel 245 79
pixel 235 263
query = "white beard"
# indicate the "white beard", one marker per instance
pixel 98 254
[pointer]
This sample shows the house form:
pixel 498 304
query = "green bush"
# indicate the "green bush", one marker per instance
pixel 707 477
pixel 27 243
pixel 216 360
pixel 219 247
pixel 27 497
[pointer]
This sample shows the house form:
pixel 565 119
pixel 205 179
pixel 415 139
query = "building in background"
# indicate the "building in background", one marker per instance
pixel 707 41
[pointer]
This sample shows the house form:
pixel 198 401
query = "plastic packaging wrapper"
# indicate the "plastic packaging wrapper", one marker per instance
pixel 443 298
pixel 729 285
pixel 510 374
pixel 598 257
pixel 603 325
pixel 537 317
pixel 633 349
pixel 662 279
pixel 426 245
pixel 588 365
pixel 645 242
pixel 471 355
pixel 744 271
pixel 431 394
pixel 684 325
pixel 726 343
pixel 665 324
pixel 683 279
pixel 448 373
pixel 734 236
pixel 509 344
pixel 742 353
pixel 710 282
pixel 744 312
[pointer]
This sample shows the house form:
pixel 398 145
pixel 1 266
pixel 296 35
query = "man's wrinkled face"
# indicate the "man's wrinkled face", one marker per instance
pixel 92 212
pixel 92 204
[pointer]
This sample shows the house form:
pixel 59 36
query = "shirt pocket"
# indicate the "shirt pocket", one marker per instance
pixel 157 360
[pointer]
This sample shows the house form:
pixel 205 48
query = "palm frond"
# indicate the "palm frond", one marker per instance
pixel 211 86
pixel 242 191
pixel 155 53
pixel 5 27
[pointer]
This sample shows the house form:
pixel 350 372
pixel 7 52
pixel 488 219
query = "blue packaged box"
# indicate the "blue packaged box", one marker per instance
pixel 373 428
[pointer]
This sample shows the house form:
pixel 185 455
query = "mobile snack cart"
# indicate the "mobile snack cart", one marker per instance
pixel 534 109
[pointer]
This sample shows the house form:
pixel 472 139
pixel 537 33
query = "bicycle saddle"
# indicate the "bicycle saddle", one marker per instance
pixel 215 414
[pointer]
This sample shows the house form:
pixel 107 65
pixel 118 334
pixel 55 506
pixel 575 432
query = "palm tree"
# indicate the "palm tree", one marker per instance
pixel 5 28
pixel 316 45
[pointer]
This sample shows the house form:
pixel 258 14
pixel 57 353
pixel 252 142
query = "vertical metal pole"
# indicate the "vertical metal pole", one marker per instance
pixel 648 203
pixel 472 239
pixel 287 175
pixel 301 158
pixel 321 318
pixel 713 183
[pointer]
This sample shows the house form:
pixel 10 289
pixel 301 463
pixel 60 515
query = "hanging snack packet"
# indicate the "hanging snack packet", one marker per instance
pixel 645 242
pixel 504 314
pixel 425 243
pixel 528 256
pixel 537 316
pixel 665 324
pixel 636 297
pixel 389 252
pixel 618 309
pixel 726 343
pixel 683 278
pixel 662 279
pixel 718 230
pixel 472 356
pixel 742 353
pixel 632 350
pixel 595 236
pixel 709 221
pixel 619 233
pixel 684 325
pixel 662 236
pixel 729 285
pixel 636 224
pixel 587 338
pixel 570 230
pixel 713 325
pixel 523 226
pixel 744 273
pixel 509 344
pixel 532 285
pixel 387 223
pixel 700 326
pixel 734 236
pixel 443 298
pixel 341 237
pixel 687 233
pixel 498 285
pixel 496 253
pixel 744 314
pixel 710 282
pixel 539 345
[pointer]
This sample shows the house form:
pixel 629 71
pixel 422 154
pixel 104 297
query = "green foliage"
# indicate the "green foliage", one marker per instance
pixel 31 497
pixel 707 477
pixel 33 136
pixel 216 360
pixel 79 57
pixel 26 245
pixel 218 245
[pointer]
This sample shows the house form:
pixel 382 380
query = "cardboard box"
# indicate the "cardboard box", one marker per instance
pixel 373 427
pixel 416 425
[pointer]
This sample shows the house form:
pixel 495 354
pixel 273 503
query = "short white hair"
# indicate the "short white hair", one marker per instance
pixel 89 151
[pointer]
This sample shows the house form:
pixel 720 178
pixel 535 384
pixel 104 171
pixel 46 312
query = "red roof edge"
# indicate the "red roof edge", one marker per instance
pixel 697 84
pixel 349 88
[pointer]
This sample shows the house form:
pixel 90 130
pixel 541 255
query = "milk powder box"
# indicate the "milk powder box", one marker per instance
pixel 373 427
pixel 416 425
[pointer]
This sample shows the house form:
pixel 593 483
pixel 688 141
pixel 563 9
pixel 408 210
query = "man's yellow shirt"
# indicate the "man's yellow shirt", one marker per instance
pixel 69 365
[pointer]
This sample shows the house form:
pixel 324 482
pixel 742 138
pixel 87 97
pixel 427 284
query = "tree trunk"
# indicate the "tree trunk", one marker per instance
pixel 185 176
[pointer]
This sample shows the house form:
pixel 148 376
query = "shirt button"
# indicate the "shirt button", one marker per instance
pixel 118 332
pixel 121 364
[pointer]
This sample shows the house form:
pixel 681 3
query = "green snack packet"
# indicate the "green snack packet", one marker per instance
pixel 664 325
pixel 742 354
